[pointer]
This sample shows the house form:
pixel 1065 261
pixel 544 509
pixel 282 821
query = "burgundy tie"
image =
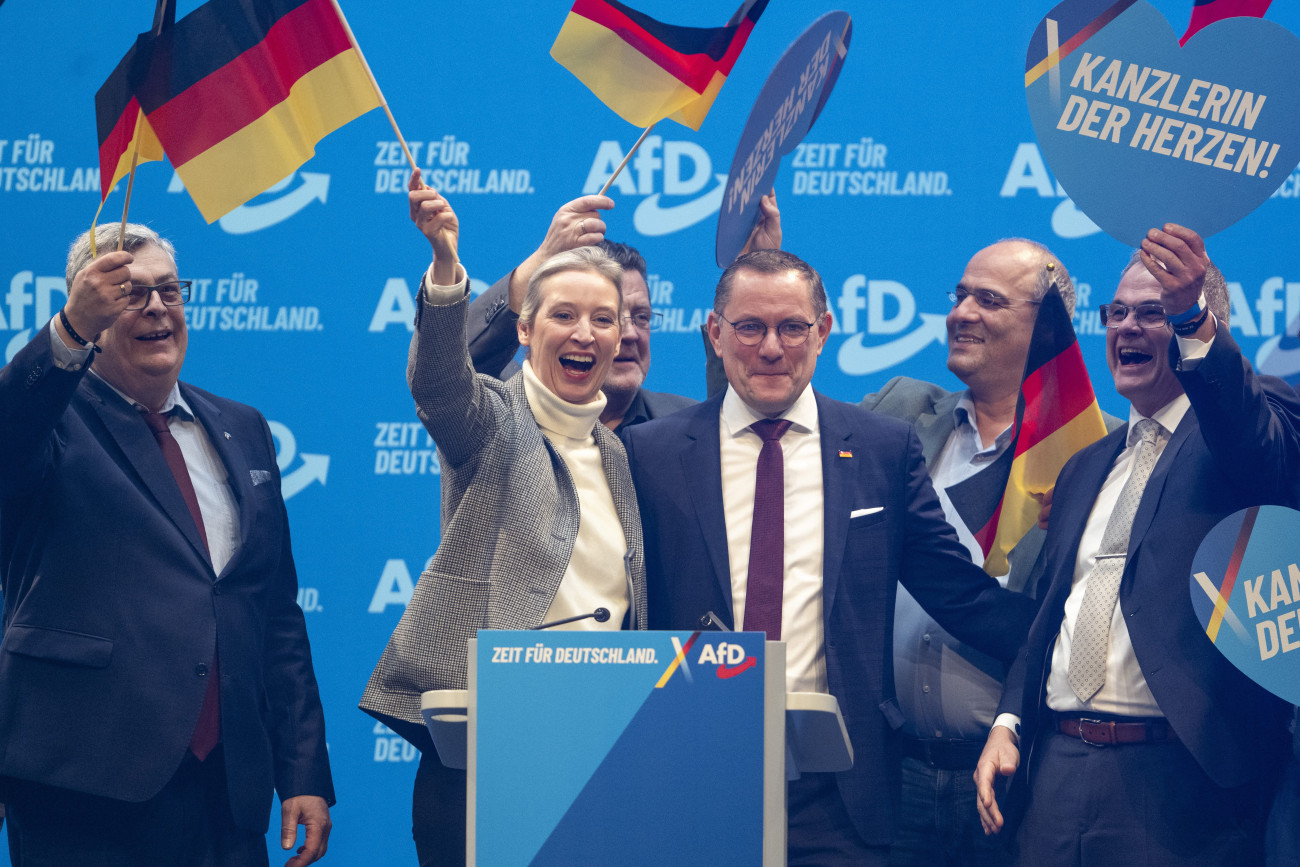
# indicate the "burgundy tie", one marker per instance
pixel 208 730
pixel 765 586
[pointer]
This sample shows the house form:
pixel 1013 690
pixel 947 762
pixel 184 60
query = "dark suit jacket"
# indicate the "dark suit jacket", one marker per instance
pixel 676 465
pixel 112 609
pixel 493 341
pixel 1238 446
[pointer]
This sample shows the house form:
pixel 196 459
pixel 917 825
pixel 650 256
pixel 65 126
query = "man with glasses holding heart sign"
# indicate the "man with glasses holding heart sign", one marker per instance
pixel 1133 740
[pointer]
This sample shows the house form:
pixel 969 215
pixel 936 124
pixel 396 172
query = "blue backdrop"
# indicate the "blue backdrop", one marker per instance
pixel 303 301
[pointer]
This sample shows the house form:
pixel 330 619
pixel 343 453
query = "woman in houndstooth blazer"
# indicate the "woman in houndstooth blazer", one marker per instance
pixel 539 518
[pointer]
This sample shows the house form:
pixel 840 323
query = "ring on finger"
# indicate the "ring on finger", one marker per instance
pixel 582 227
pixel 122 286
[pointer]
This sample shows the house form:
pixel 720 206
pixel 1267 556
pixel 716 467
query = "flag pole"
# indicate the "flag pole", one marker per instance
pixel 130 180
pixel 623 164
pixel 374 83
pixel 162 18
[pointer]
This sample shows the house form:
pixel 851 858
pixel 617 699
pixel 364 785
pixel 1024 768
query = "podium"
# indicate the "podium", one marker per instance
pixel 631 747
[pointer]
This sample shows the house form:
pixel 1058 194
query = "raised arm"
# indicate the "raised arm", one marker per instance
pixel 493 339
pixel 1246 420
pixel 457 408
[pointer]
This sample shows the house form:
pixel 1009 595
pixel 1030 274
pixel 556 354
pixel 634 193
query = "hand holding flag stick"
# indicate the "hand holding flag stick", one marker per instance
pixel 236 100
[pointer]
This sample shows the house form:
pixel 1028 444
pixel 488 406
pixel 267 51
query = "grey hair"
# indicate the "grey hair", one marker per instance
pixel 137 236
pixel 1056 273
pixel 771 262
pixel 1215 287
pixel 592 260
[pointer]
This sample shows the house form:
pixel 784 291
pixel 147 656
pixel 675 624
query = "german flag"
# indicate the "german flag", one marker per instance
pixel 646 70
pixel 124 135
pixel 1057 414
pixel 240 91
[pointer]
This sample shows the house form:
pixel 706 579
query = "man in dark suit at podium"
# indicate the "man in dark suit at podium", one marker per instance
pixel 780 510
pixel 155 678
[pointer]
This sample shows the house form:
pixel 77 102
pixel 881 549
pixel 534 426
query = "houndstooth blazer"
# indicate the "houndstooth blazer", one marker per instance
pixel 509 520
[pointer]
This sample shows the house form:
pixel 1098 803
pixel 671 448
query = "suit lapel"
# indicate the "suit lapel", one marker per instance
pixel 1156 483
pixel 137 443
pixel 837 496
pixel 702 468
pixel 933 428
pixel 234 457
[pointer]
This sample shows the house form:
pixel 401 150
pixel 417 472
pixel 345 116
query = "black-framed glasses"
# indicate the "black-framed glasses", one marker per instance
pixel 173 293
pixel 986 298
pixel 645 320
pixel 1148 315
pixel 751 332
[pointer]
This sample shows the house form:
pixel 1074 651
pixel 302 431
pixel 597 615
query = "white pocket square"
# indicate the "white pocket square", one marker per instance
pixel 259 477
pixel 858 513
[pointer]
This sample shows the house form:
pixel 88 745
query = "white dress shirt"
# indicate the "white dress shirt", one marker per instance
pixel 802 626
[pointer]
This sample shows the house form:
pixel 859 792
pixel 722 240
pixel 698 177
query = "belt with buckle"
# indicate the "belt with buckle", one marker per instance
pixel 1109 733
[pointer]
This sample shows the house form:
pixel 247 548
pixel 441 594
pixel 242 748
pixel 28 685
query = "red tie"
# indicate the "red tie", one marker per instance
pixel 208 730
pixel 765 585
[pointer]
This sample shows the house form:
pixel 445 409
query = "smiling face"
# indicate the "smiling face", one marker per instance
pixel 632 362
pixel 144 349
pixel 1139 357
pixel 769 377
pixel 986 347
pixel 574 334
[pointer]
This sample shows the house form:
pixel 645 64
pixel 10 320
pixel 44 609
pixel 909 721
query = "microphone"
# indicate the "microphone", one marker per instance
pixel 713 621
pixel 600 615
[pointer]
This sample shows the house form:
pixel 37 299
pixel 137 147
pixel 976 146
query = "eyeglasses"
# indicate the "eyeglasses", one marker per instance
pixel 172 294
pixel 751 332
pixel 644 320
pixel 986 298
pixel 1149 315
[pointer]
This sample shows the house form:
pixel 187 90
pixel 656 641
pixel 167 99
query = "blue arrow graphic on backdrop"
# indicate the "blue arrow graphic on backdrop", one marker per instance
pixel 858 360
pixel 253 218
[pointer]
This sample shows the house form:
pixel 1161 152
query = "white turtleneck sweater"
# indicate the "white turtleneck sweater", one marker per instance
pixel 595 577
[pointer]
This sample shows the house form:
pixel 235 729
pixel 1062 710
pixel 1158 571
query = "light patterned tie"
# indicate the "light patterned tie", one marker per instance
pixel 1091 642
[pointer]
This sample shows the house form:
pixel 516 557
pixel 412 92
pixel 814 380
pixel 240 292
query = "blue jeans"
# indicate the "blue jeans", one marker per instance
pixel 937 822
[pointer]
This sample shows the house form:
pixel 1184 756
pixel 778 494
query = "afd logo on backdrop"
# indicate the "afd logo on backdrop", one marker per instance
pixel 676 178
pixel 885 311
pixel 1028 174
pixel 396 305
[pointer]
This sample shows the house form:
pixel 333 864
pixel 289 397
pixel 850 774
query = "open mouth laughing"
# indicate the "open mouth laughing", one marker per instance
pixel 577 363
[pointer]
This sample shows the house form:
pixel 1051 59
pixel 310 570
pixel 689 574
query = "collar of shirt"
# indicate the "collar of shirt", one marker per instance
pixel 737 416
pixel 557 415
pixel 174 401
pixel 966 426
pixel 1168 416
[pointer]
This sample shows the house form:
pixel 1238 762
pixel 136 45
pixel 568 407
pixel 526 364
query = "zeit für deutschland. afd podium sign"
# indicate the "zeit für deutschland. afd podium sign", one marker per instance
pixel 619 747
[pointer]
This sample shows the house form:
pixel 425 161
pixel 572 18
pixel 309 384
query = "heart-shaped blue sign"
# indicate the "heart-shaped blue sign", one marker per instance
pixel 1141 132
pixel 1245 589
